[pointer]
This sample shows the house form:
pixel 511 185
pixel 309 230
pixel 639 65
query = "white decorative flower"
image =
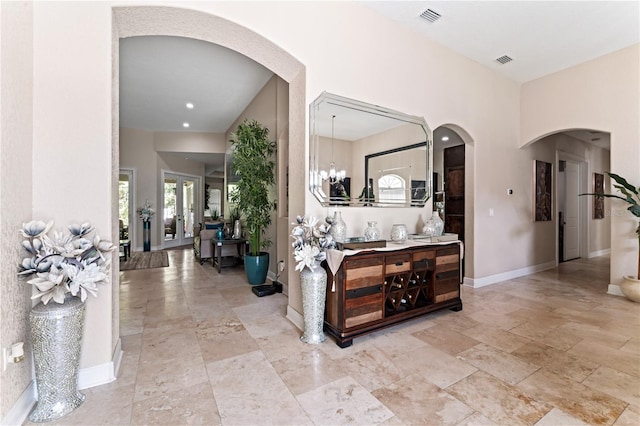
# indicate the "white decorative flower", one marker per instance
pixel 35 228
pixel 306 256
pixel 64 263
pixel 310 240
pixel 146 212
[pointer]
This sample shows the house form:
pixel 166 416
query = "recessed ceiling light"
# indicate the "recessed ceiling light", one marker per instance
pixel 185 124
pixel 189 105
pixel 445 138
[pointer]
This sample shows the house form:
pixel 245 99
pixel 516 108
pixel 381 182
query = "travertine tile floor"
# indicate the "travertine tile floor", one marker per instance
pixel 199 348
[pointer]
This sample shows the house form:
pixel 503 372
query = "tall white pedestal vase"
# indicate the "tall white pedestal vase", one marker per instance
pixel 64 269
pixel 56 333
pixel 314 292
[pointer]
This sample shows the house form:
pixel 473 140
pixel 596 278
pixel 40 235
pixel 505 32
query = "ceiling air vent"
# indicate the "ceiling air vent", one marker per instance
pixel 504 59
pixel 430 15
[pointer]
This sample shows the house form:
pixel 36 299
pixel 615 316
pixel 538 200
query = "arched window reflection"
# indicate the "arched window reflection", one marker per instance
pixel 392 189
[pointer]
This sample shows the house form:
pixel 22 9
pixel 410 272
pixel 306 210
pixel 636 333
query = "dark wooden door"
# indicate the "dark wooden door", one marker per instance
pixel 454 190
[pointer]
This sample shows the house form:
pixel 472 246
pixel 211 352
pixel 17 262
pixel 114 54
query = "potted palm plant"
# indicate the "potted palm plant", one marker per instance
pixel 631 195
pixel 254 166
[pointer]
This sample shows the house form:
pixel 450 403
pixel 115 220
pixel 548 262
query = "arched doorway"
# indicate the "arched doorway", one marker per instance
pixel 453 158
pixel 151 20
pixel 580 157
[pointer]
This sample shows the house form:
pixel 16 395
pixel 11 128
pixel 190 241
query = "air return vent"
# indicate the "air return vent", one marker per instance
pixel 430 15
pixel 504 59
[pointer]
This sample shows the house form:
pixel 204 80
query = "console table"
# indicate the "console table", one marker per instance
pixel 377 289
pixel 233 248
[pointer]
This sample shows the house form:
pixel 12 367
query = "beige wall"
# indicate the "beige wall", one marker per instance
pixel 72 97
pixel 137 152
pixel 16 115
pixel 264 109
pixel 210 143
pixel 599 229
pixel 149 154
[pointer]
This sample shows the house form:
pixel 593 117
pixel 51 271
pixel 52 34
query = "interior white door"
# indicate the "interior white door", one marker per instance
pixel 180 202
pixel 572 211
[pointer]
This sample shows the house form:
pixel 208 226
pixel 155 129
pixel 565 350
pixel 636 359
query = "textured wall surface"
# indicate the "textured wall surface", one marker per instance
pixel 16 112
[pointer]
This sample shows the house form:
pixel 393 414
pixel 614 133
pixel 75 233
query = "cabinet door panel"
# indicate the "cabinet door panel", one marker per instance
pixel 447 285
pixel 363 277
pixel 449 259
pixel 363 309
pixel 447 296
pixel 447 251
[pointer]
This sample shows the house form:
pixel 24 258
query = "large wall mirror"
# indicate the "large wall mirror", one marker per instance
pixel 366 155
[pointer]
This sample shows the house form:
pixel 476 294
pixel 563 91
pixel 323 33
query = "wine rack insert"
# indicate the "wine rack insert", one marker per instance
pixel 378 289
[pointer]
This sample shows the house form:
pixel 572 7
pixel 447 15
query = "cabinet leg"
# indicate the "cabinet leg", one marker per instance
pixel 344 343
pixel 457 308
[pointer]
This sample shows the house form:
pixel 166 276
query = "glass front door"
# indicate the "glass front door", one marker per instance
pixel 125 203
pixel 180 202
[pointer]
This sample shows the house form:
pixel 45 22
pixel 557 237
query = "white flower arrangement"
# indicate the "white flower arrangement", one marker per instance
pixel 310 240
pixel 146 212
pixel 66 263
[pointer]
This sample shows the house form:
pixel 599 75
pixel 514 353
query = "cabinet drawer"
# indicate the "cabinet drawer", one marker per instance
pixel 400 263
pixel 363 309
pixel 424 255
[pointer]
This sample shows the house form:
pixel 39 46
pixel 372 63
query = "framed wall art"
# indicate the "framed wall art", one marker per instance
pixel 542 174
pixel 598 200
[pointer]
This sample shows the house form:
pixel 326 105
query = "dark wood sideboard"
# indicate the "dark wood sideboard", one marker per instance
pixel 377 289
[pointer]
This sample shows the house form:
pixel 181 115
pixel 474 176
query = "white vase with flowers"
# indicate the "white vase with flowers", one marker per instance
pixel 65 268
pixel 310 240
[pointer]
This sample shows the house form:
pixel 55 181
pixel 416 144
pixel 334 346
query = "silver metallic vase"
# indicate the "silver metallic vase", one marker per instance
pixel 338 228
pixel 56 334
pixel 314 291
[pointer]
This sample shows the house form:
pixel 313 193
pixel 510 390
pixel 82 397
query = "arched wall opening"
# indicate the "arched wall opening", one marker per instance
pixel 152 20
pixel 449 137
pixel 580 227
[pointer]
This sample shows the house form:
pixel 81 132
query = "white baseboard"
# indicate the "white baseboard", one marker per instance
pixel 116 358
pixel 101 374
pixel 598 253
pixel 21 409
pixel 615 290
pixel 152 248
pixel 295 317
pixel 509 275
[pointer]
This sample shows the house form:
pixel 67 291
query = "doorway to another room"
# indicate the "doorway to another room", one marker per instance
pixel 180 204
pixel 126 201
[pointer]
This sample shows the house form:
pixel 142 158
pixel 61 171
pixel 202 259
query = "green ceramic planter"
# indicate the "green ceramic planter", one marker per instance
pixel 256 267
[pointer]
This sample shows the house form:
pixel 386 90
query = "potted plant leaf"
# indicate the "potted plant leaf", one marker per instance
pixel 254 167
pixel 631 195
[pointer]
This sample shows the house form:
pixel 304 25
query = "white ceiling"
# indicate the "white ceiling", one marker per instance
pixel 159 75
pixel 541 37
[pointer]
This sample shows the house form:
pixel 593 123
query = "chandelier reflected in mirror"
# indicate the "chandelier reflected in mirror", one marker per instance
pixel 333 175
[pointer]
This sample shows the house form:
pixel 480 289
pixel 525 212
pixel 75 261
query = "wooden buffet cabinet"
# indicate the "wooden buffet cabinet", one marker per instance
pixel 377 289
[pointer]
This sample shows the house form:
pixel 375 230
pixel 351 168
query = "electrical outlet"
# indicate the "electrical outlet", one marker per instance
pixel 281 266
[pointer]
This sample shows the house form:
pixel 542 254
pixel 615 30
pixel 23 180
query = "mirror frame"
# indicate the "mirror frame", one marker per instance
pixel 315 182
